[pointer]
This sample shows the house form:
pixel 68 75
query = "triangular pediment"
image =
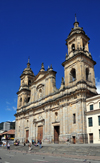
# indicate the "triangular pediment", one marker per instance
pixel 39 76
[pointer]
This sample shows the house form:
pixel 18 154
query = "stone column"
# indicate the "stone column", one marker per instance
pixel 45 122
pixel 64 118
pixel 24 129
pixel 49 122
pixel 30 129
pixel 61 121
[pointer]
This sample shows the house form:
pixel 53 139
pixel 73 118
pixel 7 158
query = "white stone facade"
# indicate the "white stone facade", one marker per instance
pixel 57 115
pixel 94 114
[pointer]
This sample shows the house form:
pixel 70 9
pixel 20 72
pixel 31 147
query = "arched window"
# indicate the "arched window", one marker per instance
pixel 28 99
pixel 20 101
pixel 40 93
pixel 83 47
pixel 29 82
pixel 73 75
pixel 56 115
pixel 27 123
pixel 87 74
pixel 73 47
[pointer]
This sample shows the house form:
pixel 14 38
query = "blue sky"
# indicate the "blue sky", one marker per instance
pixel 38 28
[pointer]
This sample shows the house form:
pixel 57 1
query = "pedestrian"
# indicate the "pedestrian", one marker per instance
pixel 8 146
pixel 18 142
pixel 32 141
pixel 40 143
pixel 30 147
pixel 24 143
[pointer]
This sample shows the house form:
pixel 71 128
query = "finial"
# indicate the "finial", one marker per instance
pixel 42 66
pixel 51 66
pixel 75 18
pixel 28 64
pixel 76 23
pixel 28 59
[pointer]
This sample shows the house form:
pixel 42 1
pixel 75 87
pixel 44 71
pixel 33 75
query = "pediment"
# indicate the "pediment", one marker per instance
pixel 39 76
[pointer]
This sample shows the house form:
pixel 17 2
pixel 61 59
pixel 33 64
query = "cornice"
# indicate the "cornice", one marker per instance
pixel 50 102
pixel 93 98
pixel 92 112
pixel 77 33
pixel 23 89
pixel 75 55
pixel 58 98
pixel 32 75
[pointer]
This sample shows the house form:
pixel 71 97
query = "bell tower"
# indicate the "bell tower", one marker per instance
pixel 77 39
pixel 78 64
pixel 79 82
pixel 24 91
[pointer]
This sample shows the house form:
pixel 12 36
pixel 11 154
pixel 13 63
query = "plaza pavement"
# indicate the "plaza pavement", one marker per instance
pixel 76 151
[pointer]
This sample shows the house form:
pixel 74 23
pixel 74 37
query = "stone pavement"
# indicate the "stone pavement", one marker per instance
pixel 76 151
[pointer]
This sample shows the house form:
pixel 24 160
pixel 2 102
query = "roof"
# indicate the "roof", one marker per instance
pixel 93 98
pixel 10 132
pixel 1 134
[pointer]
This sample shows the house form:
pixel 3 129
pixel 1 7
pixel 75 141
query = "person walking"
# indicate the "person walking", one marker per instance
pixel 40 143
pixel 8 146
pixel 30 148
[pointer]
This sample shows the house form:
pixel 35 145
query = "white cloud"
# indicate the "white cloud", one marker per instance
pixel 7 102
pixel 14 108
pixel 98 85
pixel 13 121
pixel 8 109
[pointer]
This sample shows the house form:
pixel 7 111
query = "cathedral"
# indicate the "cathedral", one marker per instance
pixel 57 115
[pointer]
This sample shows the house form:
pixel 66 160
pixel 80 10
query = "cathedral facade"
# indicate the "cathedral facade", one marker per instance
pixel 57 115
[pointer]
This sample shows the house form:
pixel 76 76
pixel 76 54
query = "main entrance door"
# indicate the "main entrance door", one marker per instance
pixel 74 140
pixel 91 137
pixel 27 135
pixel 40 133
pixel 56 134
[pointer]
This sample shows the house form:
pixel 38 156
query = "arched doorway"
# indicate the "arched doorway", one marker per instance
pixel 56 134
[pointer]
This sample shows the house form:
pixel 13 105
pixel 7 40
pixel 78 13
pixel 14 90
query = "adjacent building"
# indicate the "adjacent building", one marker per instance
pixel 5 126
pixel 57 115
pixel 93 119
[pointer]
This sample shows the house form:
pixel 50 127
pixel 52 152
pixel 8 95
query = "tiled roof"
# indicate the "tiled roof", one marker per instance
pixel 10 132
pixel 1 134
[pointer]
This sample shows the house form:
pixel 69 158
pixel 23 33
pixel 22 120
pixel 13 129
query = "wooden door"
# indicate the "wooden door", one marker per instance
pixel 91 137
pixel 40 133
pixel 74 140
pixel 56 134
pixel 27 135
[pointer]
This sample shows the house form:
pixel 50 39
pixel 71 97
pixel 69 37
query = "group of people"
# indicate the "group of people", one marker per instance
pixel 30 146
pixel 35 144
pixel 39 143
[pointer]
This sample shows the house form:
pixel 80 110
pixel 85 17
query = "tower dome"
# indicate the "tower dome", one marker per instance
pixel 28 70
